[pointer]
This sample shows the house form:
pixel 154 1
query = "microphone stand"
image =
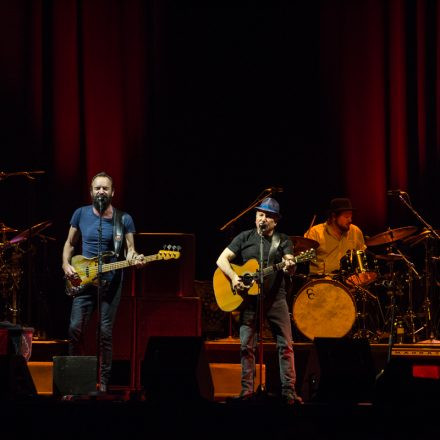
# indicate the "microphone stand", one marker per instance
pixel 99 299
pixel 260 307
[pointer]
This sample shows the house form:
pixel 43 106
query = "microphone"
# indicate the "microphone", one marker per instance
pixel 262 226
pixel 101 202
pixel 275 189
pixel 395 192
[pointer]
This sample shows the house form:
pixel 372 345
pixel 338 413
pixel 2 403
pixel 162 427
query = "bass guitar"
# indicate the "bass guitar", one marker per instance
pixel 87 268
pixel 228 299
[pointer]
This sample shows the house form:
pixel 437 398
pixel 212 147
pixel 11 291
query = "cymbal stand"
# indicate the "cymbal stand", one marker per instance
pixel 410 312
pixel 362 331
pixel 427 301
pixel 404 198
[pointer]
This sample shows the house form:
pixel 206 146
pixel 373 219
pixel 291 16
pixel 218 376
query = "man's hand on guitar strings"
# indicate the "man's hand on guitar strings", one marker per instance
pixel 139 260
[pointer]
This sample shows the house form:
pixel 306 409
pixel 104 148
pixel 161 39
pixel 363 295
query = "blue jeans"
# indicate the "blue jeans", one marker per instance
pixel 279 321
pixel 82 309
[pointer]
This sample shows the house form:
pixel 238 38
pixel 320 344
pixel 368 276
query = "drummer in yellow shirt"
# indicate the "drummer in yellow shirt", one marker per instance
pixel 341 245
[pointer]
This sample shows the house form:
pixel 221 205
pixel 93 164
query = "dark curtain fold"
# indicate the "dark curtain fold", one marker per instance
pixel 182 102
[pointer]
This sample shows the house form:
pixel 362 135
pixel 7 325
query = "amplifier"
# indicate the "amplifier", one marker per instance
pixel 416 351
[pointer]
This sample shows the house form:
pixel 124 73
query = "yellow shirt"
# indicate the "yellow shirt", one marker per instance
pixel 332 248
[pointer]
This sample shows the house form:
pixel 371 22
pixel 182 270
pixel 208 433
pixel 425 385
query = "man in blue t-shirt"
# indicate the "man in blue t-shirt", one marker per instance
pixel 117 240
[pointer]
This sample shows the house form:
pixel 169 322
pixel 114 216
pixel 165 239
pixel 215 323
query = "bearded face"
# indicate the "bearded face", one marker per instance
pixel 101 193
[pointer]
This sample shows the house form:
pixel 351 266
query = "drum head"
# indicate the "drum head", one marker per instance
pixel 324 308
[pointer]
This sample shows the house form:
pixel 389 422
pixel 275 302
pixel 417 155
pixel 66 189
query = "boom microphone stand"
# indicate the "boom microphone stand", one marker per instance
pixel 404 198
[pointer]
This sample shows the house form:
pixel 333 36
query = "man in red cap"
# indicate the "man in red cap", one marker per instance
pixel 277 247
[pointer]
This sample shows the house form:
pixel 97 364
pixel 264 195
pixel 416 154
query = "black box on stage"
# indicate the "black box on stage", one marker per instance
pixel 176 369
pixel 74 375
pixel 15 377
pixel 347 370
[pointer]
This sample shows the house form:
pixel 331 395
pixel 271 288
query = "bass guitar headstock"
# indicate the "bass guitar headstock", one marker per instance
pixel 169 252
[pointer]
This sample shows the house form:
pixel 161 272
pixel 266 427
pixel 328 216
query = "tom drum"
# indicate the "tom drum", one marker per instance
pixel 358 267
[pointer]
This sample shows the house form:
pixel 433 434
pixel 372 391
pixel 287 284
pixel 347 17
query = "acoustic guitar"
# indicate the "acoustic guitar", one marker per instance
pixel 228 299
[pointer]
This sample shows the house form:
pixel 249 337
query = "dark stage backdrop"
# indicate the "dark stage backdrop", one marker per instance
pixel 196 107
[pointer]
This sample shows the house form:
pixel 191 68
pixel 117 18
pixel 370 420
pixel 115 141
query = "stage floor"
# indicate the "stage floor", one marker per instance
pixel 400 407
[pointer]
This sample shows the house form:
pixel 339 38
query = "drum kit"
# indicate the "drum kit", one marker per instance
pixel 373 294
pixel 12 253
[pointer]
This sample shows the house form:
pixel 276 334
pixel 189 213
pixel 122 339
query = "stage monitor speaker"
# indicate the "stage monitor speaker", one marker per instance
pixel 175 368
pixel 15 377
pixel 409 381
pixel 347 372
pixel 74 375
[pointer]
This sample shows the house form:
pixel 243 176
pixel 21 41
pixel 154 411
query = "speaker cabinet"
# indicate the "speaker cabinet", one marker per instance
pixel 15 377
pixel 165 278
pixel 176 369
pixel 347 371
pixel 412 380
pixel 74 375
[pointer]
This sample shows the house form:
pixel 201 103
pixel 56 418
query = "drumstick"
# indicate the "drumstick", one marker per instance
pixel 311 224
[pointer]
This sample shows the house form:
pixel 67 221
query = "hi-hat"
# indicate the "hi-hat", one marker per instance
pixel 301 244
pixel 391 236
pixel 34 230
pixel 4 228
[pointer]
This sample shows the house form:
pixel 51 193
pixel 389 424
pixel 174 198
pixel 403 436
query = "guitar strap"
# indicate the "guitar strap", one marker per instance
pixel 118 231
pixel 273 248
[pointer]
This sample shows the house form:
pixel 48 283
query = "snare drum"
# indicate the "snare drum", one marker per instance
pixel 358 268
pixel 324 308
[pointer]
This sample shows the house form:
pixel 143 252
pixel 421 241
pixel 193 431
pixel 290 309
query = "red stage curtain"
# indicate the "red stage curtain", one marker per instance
pixel 384 81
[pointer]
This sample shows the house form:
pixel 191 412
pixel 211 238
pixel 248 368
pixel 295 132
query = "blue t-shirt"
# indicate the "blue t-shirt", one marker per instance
pixel 87 222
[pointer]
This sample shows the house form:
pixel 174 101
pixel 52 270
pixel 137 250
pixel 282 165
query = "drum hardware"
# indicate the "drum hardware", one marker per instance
pixel 301 244
pixel 428 269
pixel 31 232
pixel 391 236
pixel 10 290
pixel 358 267
pixel 10 277
pixel 362 331
pixel 412 272
pixel 399 319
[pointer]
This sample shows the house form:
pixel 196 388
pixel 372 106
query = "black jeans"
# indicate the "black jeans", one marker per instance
pixel 278 318
pixel 82 309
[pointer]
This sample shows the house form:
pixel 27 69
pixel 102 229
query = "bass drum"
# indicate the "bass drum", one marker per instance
pixel 324 308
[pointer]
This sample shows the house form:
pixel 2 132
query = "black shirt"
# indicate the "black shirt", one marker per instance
pixel 246 246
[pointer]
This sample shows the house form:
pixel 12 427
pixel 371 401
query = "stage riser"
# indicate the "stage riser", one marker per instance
pixel 224 359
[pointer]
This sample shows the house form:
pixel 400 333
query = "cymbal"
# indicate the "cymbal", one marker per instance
pixel 389 257
pixel 301 244
pixel 391 236
pixel 34 230
pixel 4 228
pixel 416 239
